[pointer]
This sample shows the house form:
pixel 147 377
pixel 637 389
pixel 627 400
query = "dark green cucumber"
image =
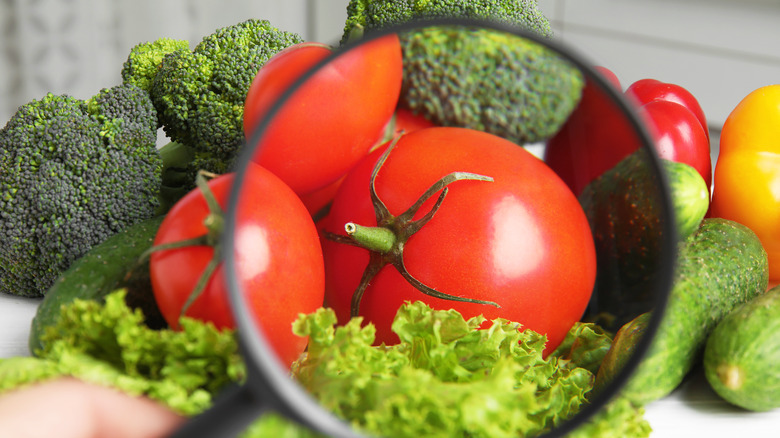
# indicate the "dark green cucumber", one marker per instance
pixel 720 266
pixel 742 355
pixel 624 209
pixel 108 266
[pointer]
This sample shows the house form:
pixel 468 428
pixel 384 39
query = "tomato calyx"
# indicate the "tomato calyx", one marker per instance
pixel 385 242
pixel 214 222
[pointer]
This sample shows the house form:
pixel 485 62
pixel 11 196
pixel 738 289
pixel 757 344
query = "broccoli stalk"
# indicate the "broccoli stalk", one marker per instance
pixel 73 173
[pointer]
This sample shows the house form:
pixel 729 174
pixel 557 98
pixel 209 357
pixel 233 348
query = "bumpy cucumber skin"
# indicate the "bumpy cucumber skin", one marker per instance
pixel 624 209
pixel 92 277
pixel 742 355
pixel 720 266
pixel 690 196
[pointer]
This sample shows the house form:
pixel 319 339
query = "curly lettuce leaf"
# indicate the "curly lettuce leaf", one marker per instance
pixel 109 344
pixel 278 426
pixel 620 418
pixel 448 377
pixel 585 345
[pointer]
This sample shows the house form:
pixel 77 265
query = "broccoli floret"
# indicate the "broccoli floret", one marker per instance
pixel 144 60
pixel 199 94
pixel 488 80
pixel 72 173
pixel 367 15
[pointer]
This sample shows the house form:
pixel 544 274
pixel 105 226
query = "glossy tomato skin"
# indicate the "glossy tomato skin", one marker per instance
pixel 678 135
pixel 522 240
pixel 333 119
pixel 280 72
pixel 404 121
pixel 278 260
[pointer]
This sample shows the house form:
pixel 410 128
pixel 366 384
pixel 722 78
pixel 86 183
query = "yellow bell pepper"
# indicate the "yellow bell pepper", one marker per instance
pixel 747 172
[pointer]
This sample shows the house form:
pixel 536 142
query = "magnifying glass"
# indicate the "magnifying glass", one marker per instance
pixel 477 188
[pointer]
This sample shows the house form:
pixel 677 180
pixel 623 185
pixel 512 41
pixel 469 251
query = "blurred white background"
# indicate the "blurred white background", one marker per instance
pixel 719 49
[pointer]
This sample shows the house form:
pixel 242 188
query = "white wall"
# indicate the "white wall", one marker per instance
pixel 719 49
pixel 78 46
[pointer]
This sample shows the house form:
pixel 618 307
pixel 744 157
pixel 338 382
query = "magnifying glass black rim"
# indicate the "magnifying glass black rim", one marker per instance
pixel 267 378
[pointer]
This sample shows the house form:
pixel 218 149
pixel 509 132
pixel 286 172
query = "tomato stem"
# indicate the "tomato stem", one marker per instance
pixel 386 241
pixel 203 280
pixel 379 239
pixel 202 183
pixel 214 222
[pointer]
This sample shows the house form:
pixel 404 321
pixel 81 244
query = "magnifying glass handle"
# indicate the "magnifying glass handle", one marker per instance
pixel 230 415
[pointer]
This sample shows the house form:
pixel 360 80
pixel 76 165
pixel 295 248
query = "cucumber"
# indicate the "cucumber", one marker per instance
pixel 720 266
pixel 108 266
pixel 742 355
pixel 690 196
pixel 623 207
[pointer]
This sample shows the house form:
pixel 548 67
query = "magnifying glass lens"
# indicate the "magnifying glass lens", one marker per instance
pixel 436 231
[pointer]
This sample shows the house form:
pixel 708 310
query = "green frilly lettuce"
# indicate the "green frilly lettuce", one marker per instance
pixel 585 345
pixel 620 418
pixel 448 377
pixel 109 344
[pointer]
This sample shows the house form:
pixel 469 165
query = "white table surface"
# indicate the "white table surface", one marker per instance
pixel 693 410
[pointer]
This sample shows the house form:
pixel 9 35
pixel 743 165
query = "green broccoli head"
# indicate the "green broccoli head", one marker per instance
pixel 199 94
pixel 488 80
pixel 144 60
pixel 366 15
pixel 72 173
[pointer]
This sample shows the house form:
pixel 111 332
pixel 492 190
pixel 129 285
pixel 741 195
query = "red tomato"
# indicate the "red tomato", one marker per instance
pixel 319 199
pixel 288 65
pixel 678 135
pixel 594 139
pixel 278 255
pixel 333 119
pixel 407 121
pixel 404 121
pixel 648 90
pixel 521 240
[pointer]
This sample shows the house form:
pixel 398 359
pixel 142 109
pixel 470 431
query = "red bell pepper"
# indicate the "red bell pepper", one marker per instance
pixel 678 136
pixel 648 90
pixel 597 136
pixel 594 138
pixel 681 132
